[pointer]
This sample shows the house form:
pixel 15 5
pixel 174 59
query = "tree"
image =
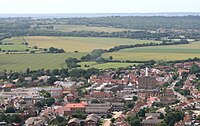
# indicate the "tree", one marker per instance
pixel 10 109
pixel 35 47
pixel 113 120
pixel 77 100
pixel 72 62
pixel 133 120
pixel 161 124
pixel 101 60
pixel 195 69
pixel 52 79
pixel 3 117
pixel 15 75
pixel 55 72
pixel 77 73
pixel 58 121
pixel 172 117
pixel 28 71
pixel 141 113
pixel 161 116
pixel 21 79
pixel 15 118
pixel 135 98
pixel 110 58
pixel 45 94
pixel 32 51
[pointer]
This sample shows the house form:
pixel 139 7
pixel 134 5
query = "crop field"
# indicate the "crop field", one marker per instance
pixel 166 53
pixel 105 65
pixel 16 44
pixel 19 62
pixel 81 44
pixel 69 28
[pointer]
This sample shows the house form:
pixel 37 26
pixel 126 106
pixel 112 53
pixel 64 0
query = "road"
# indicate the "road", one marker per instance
pixel 180 97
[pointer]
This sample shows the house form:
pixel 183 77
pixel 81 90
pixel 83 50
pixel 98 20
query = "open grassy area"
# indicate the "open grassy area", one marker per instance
pixel 172 52
pixel 69 28
pixel 105 65
pixel 18 62
pixel 14 40
pixel 16 44
pixel 81 44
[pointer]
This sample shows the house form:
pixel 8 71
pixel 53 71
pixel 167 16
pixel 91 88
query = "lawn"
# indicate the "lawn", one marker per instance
pixel 105 65
pixel 69 28
pixel 81 44
pixel 19 62
pixel 175 52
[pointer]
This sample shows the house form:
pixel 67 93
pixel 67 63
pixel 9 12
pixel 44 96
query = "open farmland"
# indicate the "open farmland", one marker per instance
pixel 16 44
pixel 105 65
pixel 18 62
pixel 81 44
pixel 69 28
pixel 167 53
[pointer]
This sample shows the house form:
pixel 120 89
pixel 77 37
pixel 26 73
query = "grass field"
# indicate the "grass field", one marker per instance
pixel 104 65
pixel 17 44
pixel 18 62
pixel 14 40
pixel 81 44
pixel 69 28
pixel 175 52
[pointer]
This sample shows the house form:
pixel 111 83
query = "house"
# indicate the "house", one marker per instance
pixel 99 94
pixel 181 71
pixel 168 97
pixel 91 120
pixel 35 121
pixel 101 109
pixel 73 108
pixel 74 122
pixel 151 120
pixel 117 106
pixel 3 124
pixel 6 86
pixel 187 120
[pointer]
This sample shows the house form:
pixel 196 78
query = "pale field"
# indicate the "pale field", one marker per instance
pixel 81 44
pixel 69 28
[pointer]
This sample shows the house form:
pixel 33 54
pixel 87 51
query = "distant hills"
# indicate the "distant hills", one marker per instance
pixel 74 15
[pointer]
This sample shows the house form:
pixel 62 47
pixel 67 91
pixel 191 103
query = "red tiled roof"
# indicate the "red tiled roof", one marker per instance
pixel 73 105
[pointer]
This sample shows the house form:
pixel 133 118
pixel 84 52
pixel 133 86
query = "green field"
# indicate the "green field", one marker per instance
pixel 18 62
pixel 172 52
pixel 17 44
pixel 69 28
pixel 81 44
pixel 105 65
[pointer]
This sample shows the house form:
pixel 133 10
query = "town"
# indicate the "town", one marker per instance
pixel 161 94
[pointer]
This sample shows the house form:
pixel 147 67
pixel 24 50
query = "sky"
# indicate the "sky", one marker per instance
pixel 97 6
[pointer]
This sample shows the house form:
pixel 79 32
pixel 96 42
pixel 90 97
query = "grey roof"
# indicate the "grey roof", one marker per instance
pixel 91 118
pixel 153 114
pixel 151 120
pixel 74 120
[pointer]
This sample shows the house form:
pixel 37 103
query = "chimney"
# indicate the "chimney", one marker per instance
pixel 147 74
